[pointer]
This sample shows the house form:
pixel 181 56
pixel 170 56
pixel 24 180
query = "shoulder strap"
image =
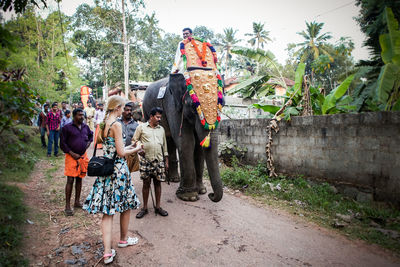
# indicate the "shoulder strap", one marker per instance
pixel 109 128
pixel 108 133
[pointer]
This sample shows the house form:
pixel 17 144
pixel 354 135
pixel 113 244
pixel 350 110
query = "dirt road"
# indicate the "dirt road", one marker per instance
pixel 234 232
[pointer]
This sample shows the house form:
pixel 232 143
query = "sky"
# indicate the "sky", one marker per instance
pixel 283 18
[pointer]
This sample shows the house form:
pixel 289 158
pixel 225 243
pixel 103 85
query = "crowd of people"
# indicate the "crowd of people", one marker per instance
pixel 52 118
pixel 133 145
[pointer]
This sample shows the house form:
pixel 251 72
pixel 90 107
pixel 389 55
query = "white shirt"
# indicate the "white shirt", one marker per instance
pixel 178 62
pixel 99 116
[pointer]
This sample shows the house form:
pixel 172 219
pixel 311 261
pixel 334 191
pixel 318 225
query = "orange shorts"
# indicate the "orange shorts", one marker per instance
pixel 76 168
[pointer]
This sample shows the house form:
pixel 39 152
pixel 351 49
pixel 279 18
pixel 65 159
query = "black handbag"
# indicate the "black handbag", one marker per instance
pixel 101 166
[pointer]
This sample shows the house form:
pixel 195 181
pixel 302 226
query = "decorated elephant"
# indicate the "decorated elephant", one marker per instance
pixel 188 131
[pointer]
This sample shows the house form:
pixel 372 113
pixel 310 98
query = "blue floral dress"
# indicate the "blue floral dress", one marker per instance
pixel 115 193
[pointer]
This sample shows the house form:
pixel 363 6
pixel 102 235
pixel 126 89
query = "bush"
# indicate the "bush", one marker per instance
pixel 229 150
pixel 12 216
pixel 17 100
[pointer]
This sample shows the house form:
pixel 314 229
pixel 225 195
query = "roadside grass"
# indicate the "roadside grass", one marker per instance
pixel 377 223
pixel 21 149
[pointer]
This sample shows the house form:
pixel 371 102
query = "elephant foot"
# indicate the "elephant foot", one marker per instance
pixel 202 189
pixel 175 179
pixel 188 196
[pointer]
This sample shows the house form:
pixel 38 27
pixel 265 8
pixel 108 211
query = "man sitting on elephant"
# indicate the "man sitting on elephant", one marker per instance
pixel 178 66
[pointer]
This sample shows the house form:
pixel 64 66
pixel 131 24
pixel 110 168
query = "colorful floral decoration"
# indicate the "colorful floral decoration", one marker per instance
pixel 206 141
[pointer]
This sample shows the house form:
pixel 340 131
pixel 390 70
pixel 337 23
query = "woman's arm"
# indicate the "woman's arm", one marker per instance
pixel 122 151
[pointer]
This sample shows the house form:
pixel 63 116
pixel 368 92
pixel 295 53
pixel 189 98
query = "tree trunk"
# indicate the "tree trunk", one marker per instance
pixel 105 87
pixel 126 51
pixel 227 61
pixel 38 41
pixel 52 49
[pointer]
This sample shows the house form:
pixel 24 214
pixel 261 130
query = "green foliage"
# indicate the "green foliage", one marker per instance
pixel 17 103
pixel 97 35
pixel 19 6
pixel 259 35
pixel 298 80
pixel 253 87
pixel 267 108
pixel 374 23
pixel 335 102
pixel 258 86
pixel 12 216
pixel 38 48
pixel 314 43
pixel 230 151
pixel 388 83
pixel 204 33
pixel 226 42
pixel 21 150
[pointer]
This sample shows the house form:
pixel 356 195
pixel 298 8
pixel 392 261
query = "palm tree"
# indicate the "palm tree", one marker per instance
pixel 259 35
pixel 227 41
pixel 315 42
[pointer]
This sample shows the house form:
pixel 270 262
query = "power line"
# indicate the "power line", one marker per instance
pixel 329 11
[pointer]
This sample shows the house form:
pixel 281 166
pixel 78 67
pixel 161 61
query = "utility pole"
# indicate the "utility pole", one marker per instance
pixel 126 51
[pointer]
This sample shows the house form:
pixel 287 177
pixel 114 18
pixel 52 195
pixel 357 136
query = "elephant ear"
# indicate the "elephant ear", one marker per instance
pixel 177 88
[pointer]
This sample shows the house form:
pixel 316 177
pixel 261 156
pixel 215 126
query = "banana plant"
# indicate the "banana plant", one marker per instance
pixel 388 84
pixel 258 86
pixel 335 102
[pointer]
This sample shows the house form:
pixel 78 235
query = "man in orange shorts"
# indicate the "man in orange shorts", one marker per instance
pixel 76 137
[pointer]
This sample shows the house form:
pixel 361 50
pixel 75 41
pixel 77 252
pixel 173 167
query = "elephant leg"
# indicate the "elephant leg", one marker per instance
pixel 199 166
pixel 173 174
pixel 187 189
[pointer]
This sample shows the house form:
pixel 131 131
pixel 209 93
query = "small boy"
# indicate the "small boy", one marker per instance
pixel 66 119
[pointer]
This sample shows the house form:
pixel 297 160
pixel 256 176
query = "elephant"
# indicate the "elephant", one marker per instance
pixel 184 132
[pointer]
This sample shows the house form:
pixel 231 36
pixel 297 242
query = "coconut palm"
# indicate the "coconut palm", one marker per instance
pixel 259 35
pixel 315 42
pixel 226 42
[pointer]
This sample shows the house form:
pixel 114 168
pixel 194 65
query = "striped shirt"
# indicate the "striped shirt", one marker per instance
pixel 53 120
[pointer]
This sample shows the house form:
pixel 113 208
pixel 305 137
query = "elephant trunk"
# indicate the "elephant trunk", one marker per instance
pixel 211 156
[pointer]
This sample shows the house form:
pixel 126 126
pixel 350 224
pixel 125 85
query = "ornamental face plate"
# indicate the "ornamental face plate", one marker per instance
pixel 205 85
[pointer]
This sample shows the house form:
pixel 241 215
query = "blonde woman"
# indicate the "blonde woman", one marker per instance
pixel 114 193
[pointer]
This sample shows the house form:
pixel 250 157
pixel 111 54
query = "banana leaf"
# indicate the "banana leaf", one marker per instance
pixel 246 83
pixel 291 111
pixel 267 108
pixel 339 91
pixel 258 55
pixel 386 80
pixel 299 77
pixel 390 42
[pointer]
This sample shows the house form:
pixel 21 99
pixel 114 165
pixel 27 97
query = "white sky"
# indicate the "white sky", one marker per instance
pixel 283 18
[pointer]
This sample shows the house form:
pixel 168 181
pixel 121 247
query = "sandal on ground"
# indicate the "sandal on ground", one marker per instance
pixel 108 258
pixel 141 213
pixel 129 242
pixel 161 211
pixel 69 213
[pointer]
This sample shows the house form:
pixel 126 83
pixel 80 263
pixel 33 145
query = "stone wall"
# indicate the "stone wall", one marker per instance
pixel 359 150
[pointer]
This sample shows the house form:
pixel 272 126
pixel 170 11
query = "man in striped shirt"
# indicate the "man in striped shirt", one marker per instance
pixel 53 129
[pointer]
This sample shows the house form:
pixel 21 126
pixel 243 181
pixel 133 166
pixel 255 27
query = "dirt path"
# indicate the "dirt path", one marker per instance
pixel 234 232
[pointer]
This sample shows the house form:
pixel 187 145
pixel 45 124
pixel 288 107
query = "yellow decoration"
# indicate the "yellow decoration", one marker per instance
pixel 206 142
pixel 206 90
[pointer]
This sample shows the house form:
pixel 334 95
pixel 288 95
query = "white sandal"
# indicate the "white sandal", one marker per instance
pixel 110 257
pixel 129 242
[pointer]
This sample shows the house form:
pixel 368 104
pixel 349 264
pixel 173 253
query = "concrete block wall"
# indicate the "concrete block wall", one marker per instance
pixel 360 150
